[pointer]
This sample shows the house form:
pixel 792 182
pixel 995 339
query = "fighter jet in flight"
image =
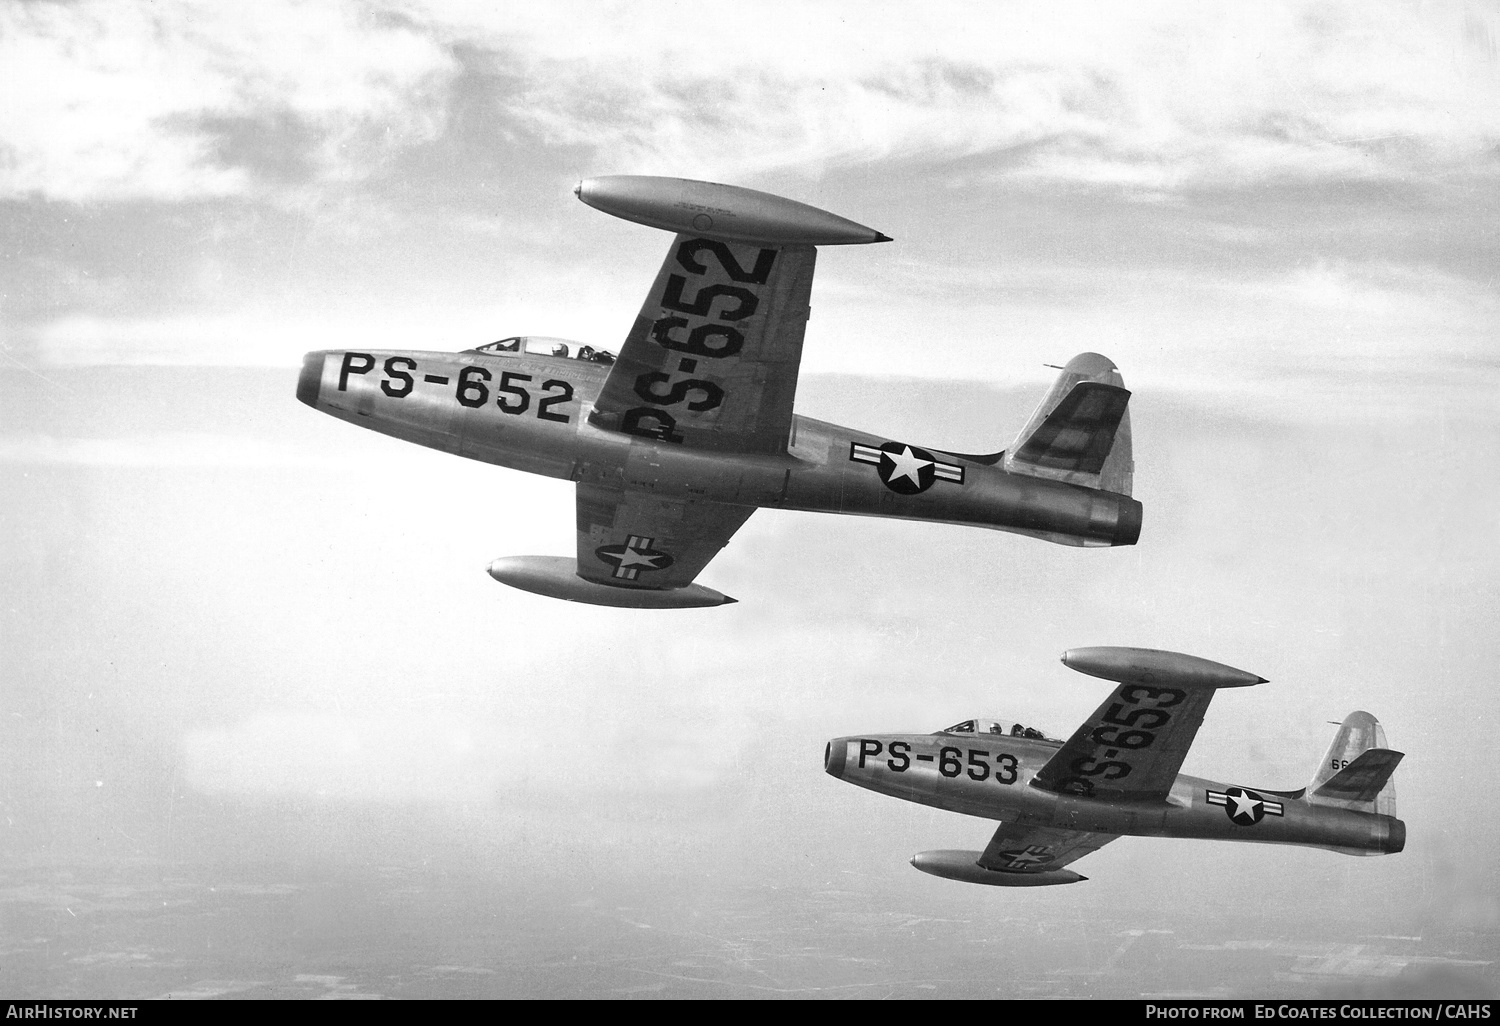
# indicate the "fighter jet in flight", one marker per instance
pixel 1059 800
pixel 678 439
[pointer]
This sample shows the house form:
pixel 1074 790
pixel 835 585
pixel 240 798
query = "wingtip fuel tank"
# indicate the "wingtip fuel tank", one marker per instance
pixel 952 864
pixel 557 577
pixel 720 211
pixel 1151 666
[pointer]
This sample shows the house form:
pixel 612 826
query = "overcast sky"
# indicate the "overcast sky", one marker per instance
pixel 222 608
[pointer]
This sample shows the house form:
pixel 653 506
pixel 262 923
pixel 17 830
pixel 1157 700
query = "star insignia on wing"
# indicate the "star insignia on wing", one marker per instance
pixel 633 557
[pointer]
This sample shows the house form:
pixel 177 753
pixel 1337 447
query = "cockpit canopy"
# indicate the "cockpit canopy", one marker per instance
pixel 546 345
pixel 995 727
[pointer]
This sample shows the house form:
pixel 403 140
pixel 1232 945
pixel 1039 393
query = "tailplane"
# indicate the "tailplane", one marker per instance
pixel 1358 771
pixel 1081 432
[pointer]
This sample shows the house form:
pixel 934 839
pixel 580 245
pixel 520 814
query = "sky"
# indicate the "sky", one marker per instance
pixel 238 633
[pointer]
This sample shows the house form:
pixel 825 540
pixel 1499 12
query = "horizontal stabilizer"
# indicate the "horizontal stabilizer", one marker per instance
pixel 557 577
pixel 1364 778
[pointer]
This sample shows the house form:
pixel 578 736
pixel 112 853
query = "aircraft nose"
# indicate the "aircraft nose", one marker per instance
pixel 310 381
pixel 833 758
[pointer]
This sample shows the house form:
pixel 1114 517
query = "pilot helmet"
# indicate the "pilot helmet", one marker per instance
pixel 558 349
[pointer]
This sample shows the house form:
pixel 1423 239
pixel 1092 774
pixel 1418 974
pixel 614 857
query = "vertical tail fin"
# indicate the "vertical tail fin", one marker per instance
pixel 1357 773
pixel 1081 432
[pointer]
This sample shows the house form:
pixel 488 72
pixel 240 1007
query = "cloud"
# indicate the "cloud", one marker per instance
pixel 185 100
pixel 180 100
pixel 1161 96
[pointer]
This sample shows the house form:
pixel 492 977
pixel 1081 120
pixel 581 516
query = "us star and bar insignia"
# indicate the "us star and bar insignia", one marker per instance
pixel 1030 857
pixel 633 557
pixel 1244 807
pixel 905 469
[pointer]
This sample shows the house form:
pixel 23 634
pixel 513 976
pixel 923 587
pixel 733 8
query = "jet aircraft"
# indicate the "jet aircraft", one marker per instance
pixel 677 440
pixel 1059 800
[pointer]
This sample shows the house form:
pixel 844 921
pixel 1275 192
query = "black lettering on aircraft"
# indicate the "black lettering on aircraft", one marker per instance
pixel 644 422
pixel 391 371
pixel 867 747
pixel 435 379
pixel 702 304
pixel 697 341
pixel 713 395
pixel 1157 693
pixel 520 394
pixel 687 254
pixel 950 764
pixel 1141 726
pixel 543 407
pixel 348 368
pixel 471 391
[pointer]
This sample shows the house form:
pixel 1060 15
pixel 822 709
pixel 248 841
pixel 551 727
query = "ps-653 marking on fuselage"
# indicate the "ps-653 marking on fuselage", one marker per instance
pixel 948 760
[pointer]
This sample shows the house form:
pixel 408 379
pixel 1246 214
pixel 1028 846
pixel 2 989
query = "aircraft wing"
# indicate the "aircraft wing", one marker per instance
pixel 1133 745
pixel 712 360
pixel 1026 848
pixel 631 539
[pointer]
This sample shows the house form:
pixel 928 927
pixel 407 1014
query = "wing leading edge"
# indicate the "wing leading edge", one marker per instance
pixel 1133 745
pixel 712 359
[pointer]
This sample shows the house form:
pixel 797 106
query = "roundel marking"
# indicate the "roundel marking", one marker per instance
pixel 1243 806
pixel 905 469
pixel 633 557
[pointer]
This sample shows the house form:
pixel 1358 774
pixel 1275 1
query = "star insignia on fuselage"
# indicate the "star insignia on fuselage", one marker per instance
pixel 1244 807
pixel 905 469
pixel 633 557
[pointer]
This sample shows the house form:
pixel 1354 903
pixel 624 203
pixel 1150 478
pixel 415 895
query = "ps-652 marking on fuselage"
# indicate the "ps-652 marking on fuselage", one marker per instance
pixel 473 389
pixel 691 428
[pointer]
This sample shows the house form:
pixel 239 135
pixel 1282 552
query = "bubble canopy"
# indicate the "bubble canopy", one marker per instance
pixel 979 726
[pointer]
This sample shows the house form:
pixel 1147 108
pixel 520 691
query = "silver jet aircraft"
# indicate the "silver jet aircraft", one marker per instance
pixel 675 442
pixel 1059 800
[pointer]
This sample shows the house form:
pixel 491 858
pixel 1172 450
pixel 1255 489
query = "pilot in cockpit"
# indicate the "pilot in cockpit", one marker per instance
pixel 558 349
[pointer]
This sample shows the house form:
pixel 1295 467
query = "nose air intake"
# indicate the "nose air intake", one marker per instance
pixel 310 381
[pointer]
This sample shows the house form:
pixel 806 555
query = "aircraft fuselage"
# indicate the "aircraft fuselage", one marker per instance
pixel 990 776
pixel 531 412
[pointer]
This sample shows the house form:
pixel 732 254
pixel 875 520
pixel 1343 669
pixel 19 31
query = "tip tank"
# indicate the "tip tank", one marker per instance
pixel 720 211
pixel 1152 666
